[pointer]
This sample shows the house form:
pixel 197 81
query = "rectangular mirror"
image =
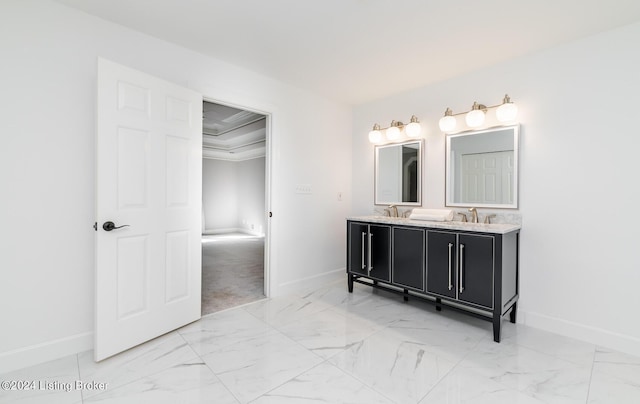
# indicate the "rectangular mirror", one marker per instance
pixel 398 169
pixel 482 168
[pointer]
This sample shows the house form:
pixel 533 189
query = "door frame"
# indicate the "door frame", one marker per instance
pixel 268 276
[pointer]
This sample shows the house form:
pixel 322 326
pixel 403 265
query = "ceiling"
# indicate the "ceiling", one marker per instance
pixel 356 51
pixel 231 133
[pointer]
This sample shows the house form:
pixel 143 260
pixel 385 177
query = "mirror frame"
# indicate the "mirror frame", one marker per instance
pixel 449 171
pixel 377 148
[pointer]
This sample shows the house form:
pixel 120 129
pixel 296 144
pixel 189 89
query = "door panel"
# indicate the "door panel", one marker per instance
pixel 357 249
pixel 477 269
pixel 148 175
pixel 380 252
pixel 487 177
pixel 408 257
pixel 177 266
pixel 132 270
pixel 441 263
pixel 133 168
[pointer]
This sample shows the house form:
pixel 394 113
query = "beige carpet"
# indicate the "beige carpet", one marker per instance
pixel 232 271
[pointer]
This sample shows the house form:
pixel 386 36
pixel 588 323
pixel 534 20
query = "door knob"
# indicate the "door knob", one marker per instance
pixel 108 226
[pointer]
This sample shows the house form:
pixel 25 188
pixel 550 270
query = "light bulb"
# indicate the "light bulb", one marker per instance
pixel 475 117
pixel 413 128
pixel 508 111
pixel 375 136
pixel 393 133
pixel 448 122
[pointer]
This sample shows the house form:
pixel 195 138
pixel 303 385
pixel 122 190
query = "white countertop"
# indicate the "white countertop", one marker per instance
pixel 495 228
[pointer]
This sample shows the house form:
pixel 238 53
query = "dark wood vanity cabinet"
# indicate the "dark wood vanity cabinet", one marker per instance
pixel 369 251
pixel 461 267
pixel 408 256
pixel 475 272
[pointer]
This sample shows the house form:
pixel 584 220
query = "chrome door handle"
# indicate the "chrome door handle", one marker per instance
pixel 450 284
pixel 108 226
pixel 363 245
pixel 369 251
pixel 461 283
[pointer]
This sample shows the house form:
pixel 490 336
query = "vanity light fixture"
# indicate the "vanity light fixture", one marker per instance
pixel 505 112
pixel 412 130
pixel 448 121
pixel 393 132
pixel 375 135
pixel 508 111
pixel 475 117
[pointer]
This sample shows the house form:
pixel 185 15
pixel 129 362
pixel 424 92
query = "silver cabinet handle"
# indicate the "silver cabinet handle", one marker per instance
pixel 369 251
pixel 450 284
pixel 363 245
pixel 461 283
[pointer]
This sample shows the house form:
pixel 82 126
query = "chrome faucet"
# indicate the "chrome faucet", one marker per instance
pixel 474 215
pixel 393 210
pixel 463 217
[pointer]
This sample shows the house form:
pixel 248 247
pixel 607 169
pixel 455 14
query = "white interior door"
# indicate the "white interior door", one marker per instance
pixel 149 175
pixel 487 177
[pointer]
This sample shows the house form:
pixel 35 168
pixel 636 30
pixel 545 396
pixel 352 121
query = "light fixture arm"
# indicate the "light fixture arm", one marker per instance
pixel 484 108
pixel 505 112
pixel 394 129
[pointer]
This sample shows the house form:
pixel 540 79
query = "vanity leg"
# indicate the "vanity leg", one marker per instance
pixel 350 282
pixel 438 304
pixel 497 318
pixel 406 295
pixel 512 314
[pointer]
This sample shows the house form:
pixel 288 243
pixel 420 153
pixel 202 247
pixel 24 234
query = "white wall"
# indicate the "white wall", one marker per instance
pixel 220 195
pixel 233 195
pixel 251 187
pixel 47 76
pixel 578 104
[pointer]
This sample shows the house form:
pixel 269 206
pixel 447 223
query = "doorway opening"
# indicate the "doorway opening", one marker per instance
pixel 234 224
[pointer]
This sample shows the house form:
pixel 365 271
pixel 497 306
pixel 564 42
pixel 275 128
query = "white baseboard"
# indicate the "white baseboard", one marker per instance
pixel 598 336
pixel 45 352
pixel 310 283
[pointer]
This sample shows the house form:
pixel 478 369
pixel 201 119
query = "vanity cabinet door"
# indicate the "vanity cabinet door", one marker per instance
pixel 475 268
pixel 408 258
pixel 380 244
pixel 442 263
pixel 358 251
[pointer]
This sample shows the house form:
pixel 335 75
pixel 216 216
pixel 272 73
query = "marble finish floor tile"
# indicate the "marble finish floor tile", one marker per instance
pixel 615 378
pixel 443 339
pixel 187 383
pixel 569 349
pixel 255 365
pixel 466 387
pixel 383 308
pixel 330 346
pixel 284 310
pixel 216 332
pixel 328 332
pixel 335 294
pixel 53 383
pixel 323 384
pixel 545 377
pixel 143 360
pixel 401 370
